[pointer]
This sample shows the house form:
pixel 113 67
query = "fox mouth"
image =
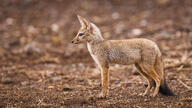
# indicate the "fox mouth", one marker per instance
pixel 77 42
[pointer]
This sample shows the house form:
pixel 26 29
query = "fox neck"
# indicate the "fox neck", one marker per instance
pixel 94 42
pixel 96 38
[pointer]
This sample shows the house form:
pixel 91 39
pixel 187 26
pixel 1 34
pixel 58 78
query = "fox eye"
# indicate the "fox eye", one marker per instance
pixel 81 34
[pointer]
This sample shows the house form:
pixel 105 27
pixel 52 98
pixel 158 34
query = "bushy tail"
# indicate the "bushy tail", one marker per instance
pixel 159 67
pixel 165 90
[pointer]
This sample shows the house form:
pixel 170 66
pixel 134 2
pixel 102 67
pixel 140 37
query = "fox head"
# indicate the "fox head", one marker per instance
pixel 88 32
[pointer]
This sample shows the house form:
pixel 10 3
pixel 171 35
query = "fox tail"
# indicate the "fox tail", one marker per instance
pixel 165 90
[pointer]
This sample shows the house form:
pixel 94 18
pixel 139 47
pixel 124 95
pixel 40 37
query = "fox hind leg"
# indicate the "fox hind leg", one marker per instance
pixel 153 74
pixel 149 79
pixel 157 81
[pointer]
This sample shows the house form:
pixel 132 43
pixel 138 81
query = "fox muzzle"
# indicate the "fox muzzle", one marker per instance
pixel 75 42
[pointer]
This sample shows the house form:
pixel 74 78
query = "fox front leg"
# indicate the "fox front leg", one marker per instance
pixel 105 81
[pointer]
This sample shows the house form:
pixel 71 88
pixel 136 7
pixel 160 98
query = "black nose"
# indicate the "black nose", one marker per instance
pixel 72 41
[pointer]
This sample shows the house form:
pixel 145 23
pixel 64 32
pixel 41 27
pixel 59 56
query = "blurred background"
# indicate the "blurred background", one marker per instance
pixel 39 66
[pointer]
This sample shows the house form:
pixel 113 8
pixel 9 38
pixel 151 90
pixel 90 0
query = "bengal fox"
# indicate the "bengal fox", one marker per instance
pixel 144 53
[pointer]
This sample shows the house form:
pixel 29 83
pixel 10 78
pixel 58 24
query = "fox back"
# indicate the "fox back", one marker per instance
pixel 125 51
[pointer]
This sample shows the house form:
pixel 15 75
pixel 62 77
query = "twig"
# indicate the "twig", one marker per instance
pixel 190 88
pixel 173 65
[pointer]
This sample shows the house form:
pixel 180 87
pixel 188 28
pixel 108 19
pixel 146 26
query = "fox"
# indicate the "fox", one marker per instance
pixel 143 53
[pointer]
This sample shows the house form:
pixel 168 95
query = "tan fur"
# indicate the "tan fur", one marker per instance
pixel 144 53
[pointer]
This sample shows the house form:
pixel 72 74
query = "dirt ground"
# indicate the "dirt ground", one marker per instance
pixel 39 67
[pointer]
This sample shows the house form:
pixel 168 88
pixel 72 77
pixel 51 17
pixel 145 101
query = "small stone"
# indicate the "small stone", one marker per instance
pixel 145 100
pixel 54 79
pixel 31 29
pixel 55 27
pixel 80 65
pixel 9 21
pixel 136 31
pixel 30 49
pixel 49 72
pixel 117 65
pixel 24 83
pixel 7 80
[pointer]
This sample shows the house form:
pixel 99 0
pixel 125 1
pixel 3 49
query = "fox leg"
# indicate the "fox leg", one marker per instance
pixel 149 79
pixel 157 81
pixel 153 74
pixel 105 81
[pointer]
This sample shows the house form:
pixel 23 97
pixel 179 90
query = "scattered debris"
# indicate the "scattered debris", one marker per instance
pixel 6 80
pixel 24 83
pixel 186 99
pixel 56 78
pixel 190 88
pixel 67 89
pixel 31 49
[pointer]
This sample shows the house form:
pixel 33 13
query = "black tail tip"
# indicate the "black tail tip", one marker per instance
pixel 165 90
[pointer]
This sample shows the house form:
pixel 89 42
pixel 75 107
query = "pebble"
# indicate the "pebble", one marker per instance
pixel 9 21
pixel 54 79
pixel 7 80
pixel 31 29
pixel 136 31
pixel 24 83
pixel 55 27
pixel 31 49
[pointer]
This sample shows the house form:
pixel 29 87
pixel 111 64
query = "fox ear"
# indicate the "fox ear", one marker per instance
pixel 84 23
pixel 90 27
pixel 93 28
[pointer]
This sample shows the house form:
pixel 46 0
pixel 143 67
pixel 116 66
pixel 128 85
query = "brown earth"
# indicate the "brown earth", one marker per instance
pixel 39 67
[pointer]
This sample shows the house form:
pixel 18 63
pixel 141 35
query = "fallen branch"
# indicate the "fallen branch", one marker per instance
pixel 184 61
pixel 173 65
pixel 188 87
